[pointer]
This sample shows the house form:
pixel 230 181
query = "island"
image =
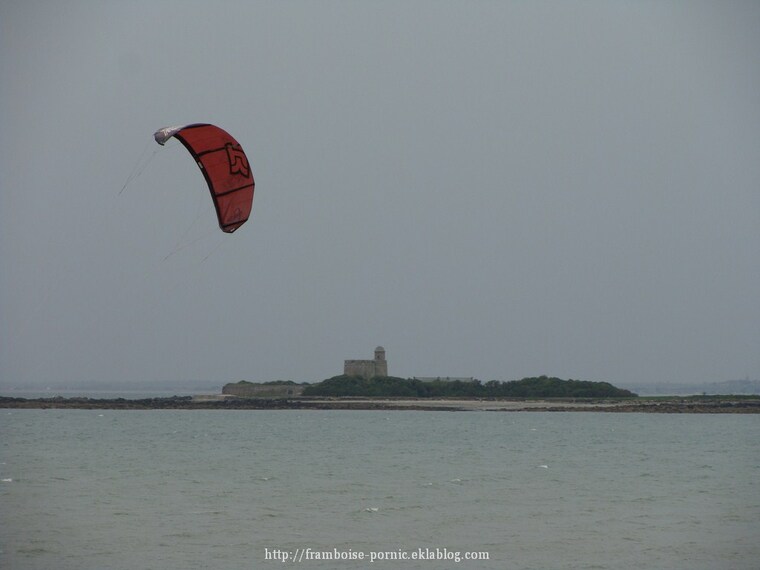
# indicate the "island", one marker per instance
pixel 537 394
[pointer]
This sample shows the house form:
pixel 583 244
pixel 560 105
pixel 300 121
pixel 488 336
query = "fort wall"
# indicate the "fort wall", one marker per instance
pixel 367 368
pixel 250 390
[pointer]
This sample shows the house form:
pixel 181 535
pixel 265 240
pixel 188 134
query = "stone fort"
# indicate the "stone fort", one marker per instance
pixel 367 368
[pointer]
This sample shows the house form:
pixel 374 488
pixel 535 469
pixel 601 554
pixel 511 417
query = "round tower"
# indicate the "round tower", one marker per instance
pixel 380 364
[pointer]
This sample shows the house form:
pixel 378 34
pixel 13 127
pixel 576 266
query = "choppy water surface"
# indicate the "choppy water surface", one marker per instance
pixel 185 489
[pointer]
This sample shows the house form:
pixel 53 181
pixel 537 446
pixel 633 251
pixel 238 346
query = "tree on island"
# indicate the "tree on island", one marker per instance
pixel 537 387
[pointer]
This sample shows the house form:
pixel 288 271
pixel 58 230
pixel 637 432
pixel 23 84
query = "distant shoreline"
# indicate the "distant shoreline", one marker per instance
pixel 693 405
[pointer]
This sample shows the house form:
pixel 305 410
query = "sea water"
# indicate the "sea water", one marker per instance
pixel 182 489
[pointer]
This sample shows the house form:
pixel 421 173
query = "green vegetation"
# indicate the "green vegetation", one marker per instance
pixel 389 386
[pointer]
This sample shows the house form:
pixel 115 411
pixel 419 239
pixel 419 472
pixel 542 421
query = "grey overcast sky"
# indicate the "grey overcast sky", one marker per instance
pixel 487 189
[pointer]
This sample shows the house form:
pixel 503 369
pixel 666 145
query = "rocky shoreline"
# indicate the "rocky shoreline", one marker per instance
pixel 674 405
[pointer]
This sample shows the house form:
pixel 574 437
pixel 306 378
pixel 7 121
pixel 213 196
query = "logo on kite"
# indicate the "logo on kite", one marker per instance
pixel 238 161
pixel 219 156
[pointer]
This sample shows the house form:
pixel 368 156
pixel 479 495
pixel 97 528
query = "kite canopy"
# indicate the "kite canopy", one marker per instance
pixel 224 165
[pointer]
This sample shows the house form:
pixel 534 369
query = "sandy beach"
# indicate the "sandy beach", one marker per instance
pixel 665 405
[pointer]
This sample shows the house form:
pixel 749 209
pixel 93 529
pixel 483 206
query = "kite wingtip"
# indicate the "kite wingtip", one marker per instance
pixel 163 135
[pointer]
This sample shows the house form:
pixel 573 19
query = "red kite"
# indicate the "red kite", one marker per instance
pixel 225 167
